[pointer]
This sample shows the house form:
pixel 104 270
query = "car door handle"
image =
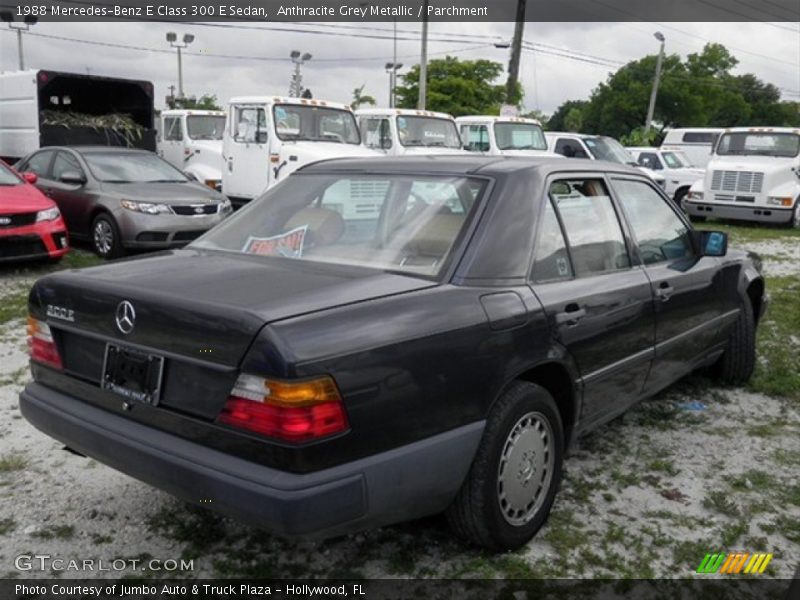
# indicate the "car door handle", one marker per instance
pixel 571 315
pixel 664 291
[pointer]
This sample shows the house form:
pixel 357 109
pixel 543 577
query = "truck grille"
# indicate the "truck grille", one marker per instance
pixel 17 220
pixel 737 181
pixel 195 209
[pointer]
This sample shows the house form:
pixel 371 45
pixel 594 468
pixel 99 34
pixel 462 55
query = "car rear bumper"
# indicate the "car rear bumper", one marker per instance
pixel 750 212
pixel 404 483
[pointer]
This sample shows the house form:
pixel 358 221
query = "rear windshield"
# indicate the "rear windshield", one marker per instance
pixel 785 145
pixel 389 222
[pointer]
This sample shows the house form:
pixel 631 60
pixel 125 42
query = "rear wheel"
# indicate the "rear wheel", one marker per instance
pixel 736 365
pixel 512 483
pixel 106 241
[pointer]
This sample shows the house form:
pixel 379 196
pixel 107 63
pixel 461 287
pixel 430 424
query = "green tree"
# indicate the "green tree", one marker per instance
pixel 572 108
pixel 456 87
pixel 360 98
pixel 205 102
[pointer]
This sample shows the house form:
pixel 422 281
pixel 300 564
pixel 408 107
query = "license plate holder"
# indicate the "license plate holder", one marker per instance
pixel 133 374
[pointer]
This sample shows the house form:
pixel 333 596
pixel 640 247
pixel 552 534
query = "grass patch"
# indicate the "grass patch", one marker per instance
pixel 789 527
pixel 751 480
pixel 733 532
pixel 776 371
pixel 767 428
pixel 690 552
pixel 61 532
pixel 12 462
pixel 786 458
pixel 7 525
pixel 14 305
pixel 720 502
pixel 663 466
pixel 742 233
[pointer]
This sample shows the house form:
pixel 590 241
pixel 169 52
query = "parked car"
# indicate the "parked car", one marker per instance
pixel 402 131
pixel 317 379
pixel 674 165
pixel 753 175
pixel 596 147
pixel 30 225
pixel 696 142
pixel 191 141
pixel 121 199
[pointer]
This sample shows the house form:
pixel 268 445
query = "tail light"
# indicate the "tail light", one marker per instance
pixel 290 411
pixel 41 346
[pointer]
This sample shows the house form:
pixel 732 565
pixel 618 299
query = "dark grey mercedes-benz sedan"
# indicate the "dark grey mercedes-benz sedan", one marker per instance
pixel 122 198
pixel 376 340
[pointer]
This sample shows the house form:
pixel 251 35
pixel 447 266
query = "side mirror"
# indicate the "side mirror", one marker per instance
pixel 30 177
pixel 72 177
pixel 713 243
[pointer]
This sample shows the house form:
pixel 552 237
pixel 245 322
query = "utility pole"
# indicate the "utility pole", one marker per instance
pixel 423 60
pixel 651 109
pixel 393 95
pixel 26 24
pixel 516 51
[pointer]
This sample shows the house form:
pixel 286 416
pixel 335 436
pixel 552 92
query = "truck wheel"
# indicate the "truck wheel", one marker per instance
pixel 736 364
pixel 795 222
pixel 508 493
pixel 106 240
pixel 679 196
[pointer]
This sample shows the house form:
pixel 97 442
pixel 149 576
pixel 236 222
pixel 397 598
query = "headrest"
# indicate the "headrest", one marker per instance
pixel 435 237
pixel 325 226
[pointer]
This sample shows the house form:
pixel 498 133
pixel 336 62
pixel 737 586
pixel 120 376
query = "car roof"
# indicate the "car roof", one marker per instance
pixel 98 148
pixel 458 164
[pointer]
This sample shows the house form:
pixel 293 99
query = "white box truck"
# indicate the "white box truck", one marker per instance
pixel 268 137
pixel 753 175
pixel 695 142
pixel 191 140
pixel 36 106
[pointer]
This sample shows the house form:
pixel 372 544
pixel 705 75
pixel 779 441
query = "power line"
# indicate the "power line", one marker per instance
pixel 747 17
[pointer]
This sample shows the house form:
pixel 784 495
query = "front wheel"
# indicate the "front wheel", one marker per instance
pixel 510 488
pixel 679 197
pixel 736 364
pixel 795 222
pixel 106 240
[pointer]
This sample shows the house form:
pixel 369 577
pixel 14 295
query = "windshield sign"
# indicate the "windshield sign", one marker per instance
pixel 519 136
pixel 315 124
pixel 427 132
pixel 205 127
pixel 399 223
pixel 783 145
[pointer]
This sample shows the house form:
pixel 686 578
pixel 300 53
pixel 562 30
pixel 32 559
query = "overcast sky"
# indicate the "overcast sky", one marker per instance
pixel 346 60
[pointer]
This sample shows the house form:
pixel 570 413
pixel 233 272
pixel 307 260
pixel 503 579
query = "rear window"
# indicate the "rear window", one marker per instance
pixel 390 222
pixel 700 137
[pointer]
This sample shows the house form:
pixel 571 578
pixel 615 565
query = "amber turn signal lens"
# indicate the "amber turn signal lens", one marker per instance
pixel 301 393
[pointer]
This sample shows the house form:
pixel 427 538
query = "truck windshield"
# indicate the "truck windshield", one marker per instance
pixel 205 127
pixel 399 223
pixel 519 136
pixel 315 124
pixel 676 160
pixel 132 167
pixel 745 143
pixel 606 148
pixel 427 132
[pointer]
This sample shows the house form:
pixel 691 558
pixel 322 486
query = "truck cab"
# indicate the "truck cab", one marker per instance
pixel 191 140
pixel 268 137
pixel 503 136
pixel 753 175
pixel 674 165
pixel 696 143
pixel 399 132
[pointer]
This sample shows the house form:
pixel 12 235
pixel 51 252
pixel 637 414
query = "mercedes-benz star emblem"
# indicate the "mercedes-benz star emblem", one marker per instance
pixel 126 316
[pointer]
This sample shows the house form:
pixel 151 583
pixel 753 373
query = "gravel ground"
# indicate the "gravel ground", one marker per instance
pixel 697 469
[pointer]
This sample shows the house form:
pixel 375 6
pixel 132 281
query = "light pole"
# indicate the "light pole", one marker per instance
pixel 172 38
pixel 8 17
pixel 296 87
pixel 423 60
pixel 652 108
pixel 391 69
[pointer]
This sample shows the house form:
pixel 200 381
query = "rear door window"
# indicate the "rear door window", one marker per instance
pixel 551 260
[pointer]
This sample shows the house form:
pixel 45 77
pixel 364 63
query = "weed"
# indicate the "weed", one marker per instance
pixel 720 502
pixel 12 462
pixel 61 532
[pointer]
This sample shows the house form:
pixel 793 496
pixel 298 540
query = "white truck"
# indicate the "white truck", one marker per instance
pixel 53 108
pixel 400 131
pixel 596 147
pixel 753 175
pixel 674 165
pixel 268 137
pixel 695 142
pixel 191 140
pixel 503 136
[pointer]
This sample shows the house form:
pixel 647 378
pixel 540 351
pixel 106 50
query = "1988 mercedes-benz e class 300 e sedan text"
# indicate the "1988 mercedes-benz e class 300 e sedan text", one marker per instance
pixel 377 340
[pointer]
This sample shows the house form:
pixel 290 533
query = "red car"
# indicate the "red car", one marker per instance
pixel 30 223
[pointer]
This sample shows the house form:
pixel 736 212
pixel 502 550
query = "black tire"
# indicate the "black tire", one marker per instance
pixel 476 514
pixel 106 247
pixel 697 219
pixel 736 365
pixel 679 196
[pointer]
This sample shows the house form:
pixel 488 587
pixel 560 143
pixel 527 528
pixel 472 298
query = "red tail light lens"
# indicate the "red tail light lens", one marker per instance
pixel 288 411
pixel 41 346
